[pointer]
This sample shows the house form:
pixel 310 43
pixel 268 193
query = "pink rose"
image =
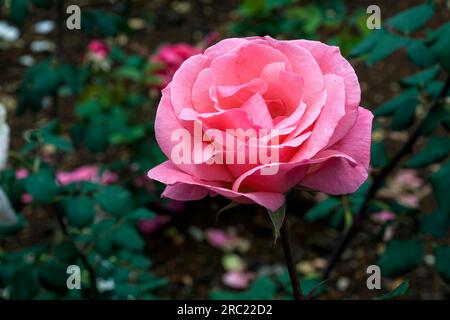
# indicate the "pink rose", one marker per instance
pixel 298 99
pixel 172 56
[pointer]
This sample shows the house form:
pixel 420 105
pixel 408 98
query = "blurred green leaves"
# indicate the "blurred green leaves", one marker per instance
pixel 412 19
pixel 400 257
pixel 42 187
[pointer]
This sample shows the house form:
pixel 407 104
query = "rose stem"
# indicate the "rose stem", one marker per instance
pixel 345 239
pixel 289 261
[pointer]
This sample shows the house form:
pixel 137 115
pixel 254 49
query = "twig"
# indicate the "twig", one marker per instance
pixel 378 182
pixel 296 288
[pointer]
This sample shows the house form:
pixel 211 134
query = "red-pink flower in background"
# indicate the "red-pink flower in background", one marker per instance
pixel 98 49
pixel 171 56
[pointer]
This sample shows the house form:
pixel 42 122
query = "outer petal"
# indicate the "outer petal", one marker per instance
pixel 338 176
pixel 183 82
pixel 182 186
pixel 328 119
pixel 331 61
pixel 224 47
pixel 166 123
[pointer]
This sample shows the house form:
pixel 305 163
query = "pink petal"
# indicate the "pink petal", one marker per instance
pixel 338 175
pixel 224 46
pixel 252 58
pixel 327 120
pixel 331 61
pixel 180 183
pixel 200 91
pixel 183 81
pixel 304 64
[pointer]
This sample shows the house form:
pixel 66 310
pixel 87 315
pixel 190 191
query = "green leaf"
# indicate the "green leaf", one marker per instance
pixel 436 117
pixel 386 45
pixel 53 275
pixel 106 24
pixel 406 98
pixel 65 251
pixel 412 19
pixel 59 142
pixel 401 290
pixel 80 211
pixel 379 157
pixel 421 55
pixel 140 214
pixel 322 209
pixel 404 116
pixel 129 73
pixel 88 108
pixel 440 182
pixel 42 187
pixel 400 257
pixel 440 39
pixel 436 149
pixel 277 219
pixel 18 11
pixel 435 224
pixel 96 138
pixel 443 262
pixel 367 44
pixel 115 200
pixel 421 78
pixel 127 237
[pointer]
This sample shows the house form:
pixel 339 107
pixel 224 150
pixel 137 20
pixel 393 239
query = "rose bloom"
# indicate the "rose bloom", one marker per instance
pixel 304 94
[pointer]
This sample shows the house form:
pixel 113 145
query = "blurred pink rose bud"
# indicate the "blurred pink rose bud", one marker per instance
pixel 26 198
pixel 384 216
pixel 148 226
pixel 21 173
pixel 218 238
pixel 98 49
pixel 237 279
pixel 172 56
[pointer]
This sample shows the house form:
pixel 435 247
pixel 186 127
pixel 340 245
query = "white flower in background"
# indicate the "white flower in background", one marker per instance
pixel 44 26
pixel 26 60
pixel 4 137
pixel 7 215
pixel 42 46
pixel 8 32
